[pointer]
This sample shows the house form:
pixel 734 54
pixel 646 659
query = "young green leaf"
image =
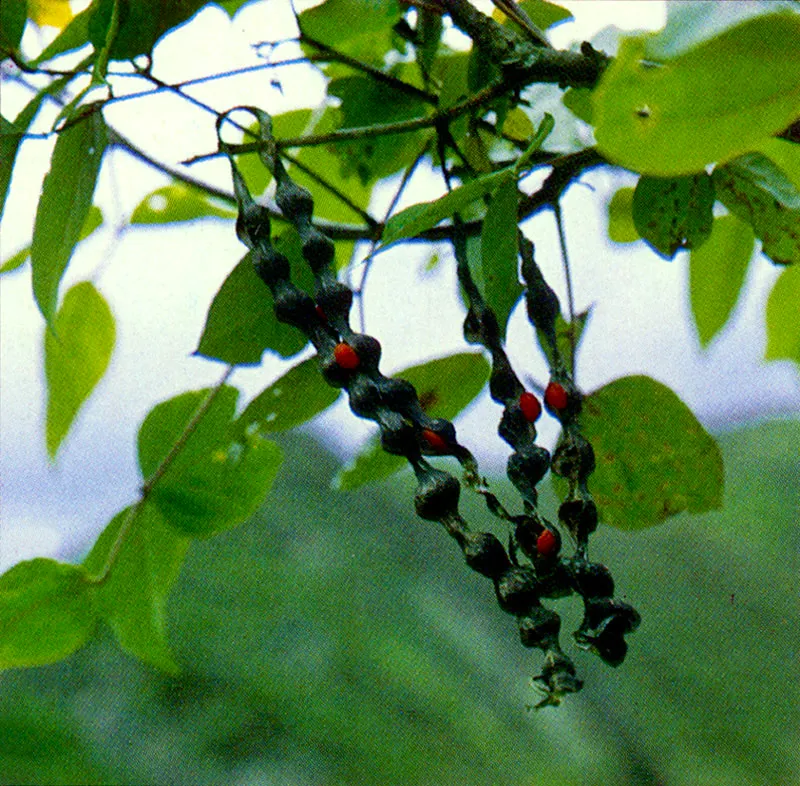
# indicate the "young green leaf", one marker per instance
pixel 176 203
pixel 710 104
pixel 444 387
pixel 753 188
pixel 64 205
pixel 13 15
pixel 673 213
pixel 47 612
pixel 299 395
pixel 16 261
pixel 241 324
pixel 541 13
pixel 417 218
pixel 621 228
pixel 498 277
pixel 132 599
pixel 77 352
pixel 141 24
pixel 654 459
pixel 567 335
pixel 215 481
pixel 716 274
pixel 783 317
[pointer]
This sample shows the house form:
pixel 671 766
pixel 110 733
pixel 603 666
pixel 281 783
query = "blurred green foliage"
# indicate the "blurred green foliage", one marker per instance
pixel 335 639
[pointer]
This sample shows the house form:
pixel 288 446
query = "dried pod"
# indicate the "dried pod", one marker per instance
pixel 485 554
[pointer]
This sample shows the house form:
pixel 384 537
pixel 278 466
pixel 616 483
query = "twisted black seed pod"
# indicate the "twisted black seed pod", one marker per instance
pixel 350 360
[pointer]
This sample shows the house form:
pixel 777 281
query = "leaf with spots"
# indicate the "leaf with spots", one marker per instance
pixel 177 203
pixel 295 398
pixel 216 481
pixel 444 388
pixel 756 190
pixel 654 459
pixel 672 213
pixel 668 115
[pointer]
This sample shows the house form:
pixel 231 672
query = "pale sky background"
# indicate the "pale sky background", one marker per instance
pixel 160 282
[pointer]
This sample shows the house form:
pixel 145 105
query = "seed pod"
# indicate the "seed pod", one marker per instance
pixel 528 466
pixel 398 393
pixel 400 439
pixel 335 299
pixel 517 590
pixel 253 226
pixel 294 201
pixel 367 348
pixel 579 517
pixel 592 580
pixel 485 554
pixel 332 372
pixel 503 382
pixel 270 265
pixel 437 495
pixel 540 627
pixel 293 306
pixel 318 250
pixel 364 395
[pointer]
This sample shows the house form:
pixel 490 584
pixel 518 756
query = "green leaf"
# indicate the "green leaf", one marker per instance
pixel 141 24
pixel 444 387
pixel 177 203
pixel 132 600
pixel 564 339
pixel 368 102
pixel 64 205
pixel 13 15
pixel 716 274
pixel 544 14
pixel 758 192
pixel 709 104
pixel 11 136
pixel 299 395
pixel 215 481
pixel 241 324
pixel 691 24
pixel 417 218
pixel 15 262
pixel 498 277
pixel 76 355
pixel 356 27
pixel 579 101
pixel 46 612
pixel 73 36
pixel 428 34
pixel 675 212
pixel 654 459
pixel 284 126
pixel 93 220
pixel 621 228
pixel 786 156
pixel 231 7
pixel 783 317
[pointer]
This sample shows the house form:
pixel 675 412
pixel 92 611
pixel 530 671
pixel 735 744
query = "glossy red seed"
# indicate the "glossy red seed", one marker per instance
pixel 320 313
pixel 555 396
pixel 434 441
pixel 530 406
pixel 547 544
pixel 346 357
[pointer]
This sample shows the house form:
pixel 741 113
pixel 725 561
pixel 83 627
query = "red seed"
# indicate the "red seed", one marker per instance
pixel 346 357
pixel 555 396
pixel 530 406
pixel 547 544
pixel 320 313
pixel 434 440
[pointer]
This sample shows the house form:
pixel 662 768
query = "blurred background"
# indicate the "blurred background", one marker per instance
pixel 361 649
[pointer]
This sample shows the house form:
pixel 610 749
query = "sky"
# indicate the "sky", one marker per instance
pixel 159 283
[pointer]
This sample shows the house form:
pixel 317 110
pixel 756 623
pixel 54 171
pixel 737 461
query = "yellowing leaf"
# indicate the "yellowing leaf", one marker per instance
pixel 53 13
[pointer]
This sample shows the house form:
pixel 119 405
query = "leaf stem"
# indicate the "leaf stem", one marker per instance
pixel 152 481
pixel 562 241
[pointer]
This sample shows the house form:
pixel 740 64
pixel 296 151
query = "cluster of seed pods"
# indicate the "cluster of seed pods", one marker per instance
pixel 350 360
